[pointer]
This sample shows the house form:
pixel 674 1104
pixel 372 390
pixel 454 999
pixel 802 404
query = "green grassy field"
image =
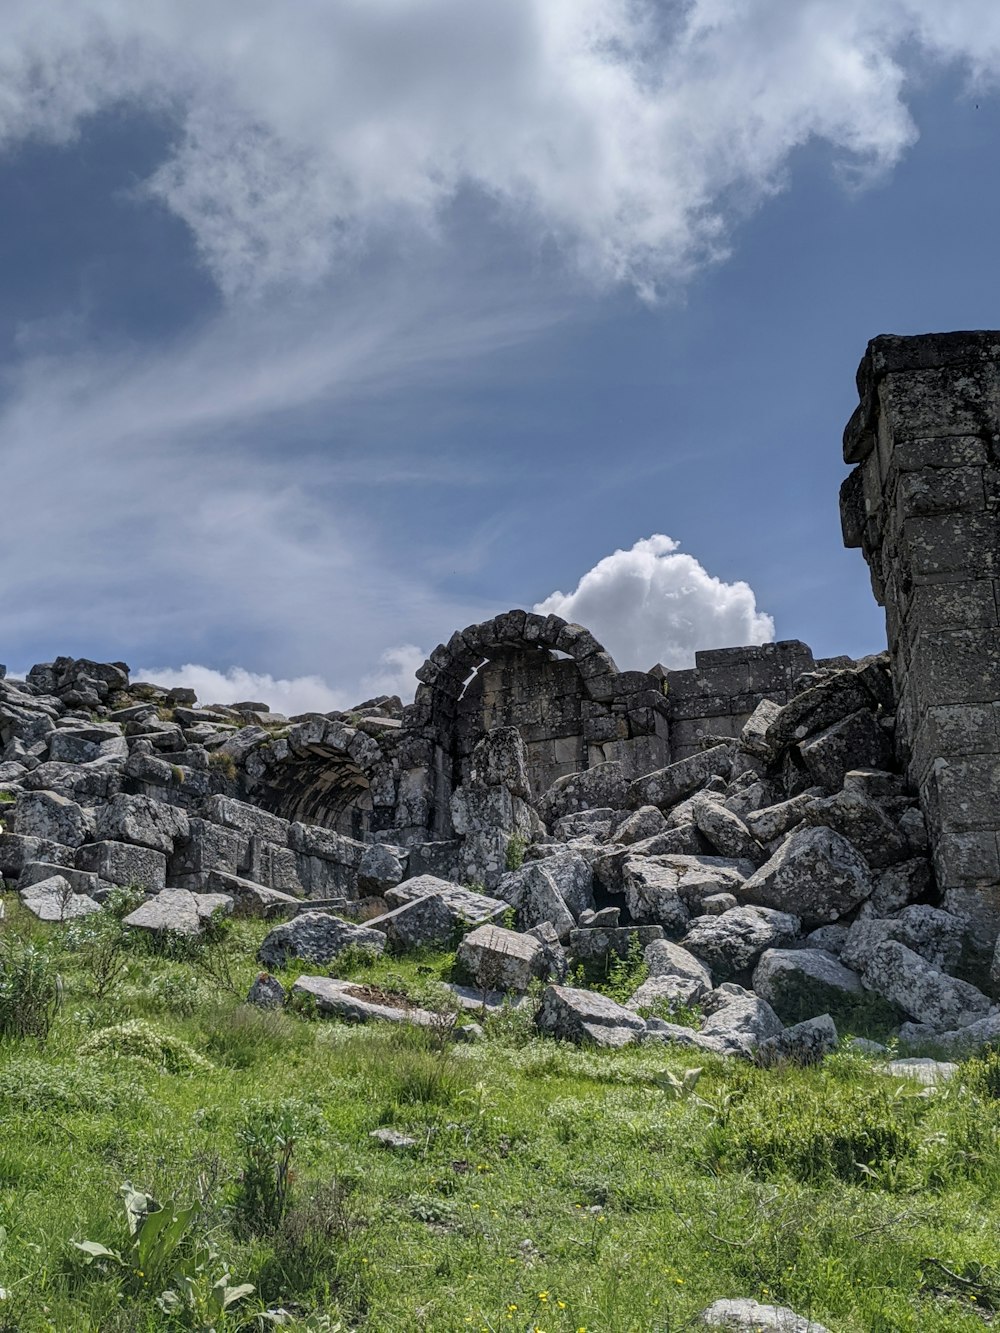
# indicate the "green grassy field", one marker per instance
pixel 548 1188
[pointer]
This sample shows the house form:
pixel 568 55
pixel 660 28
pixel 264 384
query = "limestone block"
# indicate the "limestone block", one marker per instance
pixel 178 912
pixel 856 741
pixel 805 1043
pixel 667 786
pixel 737 1021
pixel 725 830
pixel 864 824
pixel 124 864
pixel 53 899
pixel 54 818
pixel 317 937
pixel 732 942
pixel 139 820
pixel 586 1017
pixel 500 959
pixel 804 981
pixel 426 922
pixel 816 874
pixel 665 959
pixel 922 991
pixel 935 935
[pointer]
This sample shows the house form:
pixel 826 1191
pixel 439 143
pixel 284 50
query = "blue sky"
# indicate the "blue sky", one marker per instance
pixel 327 329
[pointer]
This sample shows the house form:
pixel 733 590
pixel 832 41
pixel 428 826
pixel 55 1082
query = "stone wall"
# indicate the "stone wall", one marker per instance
pixel 718 694
pixel 923 504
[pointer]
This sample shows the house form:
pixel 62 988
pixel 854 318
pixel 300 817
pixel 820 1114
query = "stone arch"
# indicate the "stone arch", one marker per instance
pixel 328 773
pixel 550 679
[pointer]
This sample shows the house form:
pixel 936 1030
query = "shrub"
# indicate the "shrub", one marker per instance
pixel 101 940
pixel 223 763
pixel 268 1135
pixel 138 1042
pixel 30 989
pixel 517 845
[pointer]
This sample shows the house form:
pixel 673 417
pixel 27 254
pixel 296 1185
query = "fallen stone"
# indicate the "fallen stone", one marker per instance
pixel 124 864
pixel 53 899
pixel 804 1044
pixel 863 823
pixel 747 1316
pixel 672 992
pixel 178 912
pixel 426 923
pixel 317 937
pixel 737 1021
pixel 753 737
pixel 267 992
pixel 55 818
pixel 816 874
pixel 599 787
pixel 726 832
pixel 380 869
pixel 774 820
pixel 899 886
pixel 392 1138
pixel 664 959
pixel 584 1016
pixel 717 903
pixel 468 908
pixel 501 960
pixel 145 822
pixel 801 983
pixel 582 823
pixel 535 897
pixel 666 786
pixel 597 945
pixel 922 991
pixel 643 823
pixel 959 1042
pixel 924 1070
pixel 334 998
pixel 252 899
pixel 731 943
pixel 935 935
pixel 651 893
pixel 856 741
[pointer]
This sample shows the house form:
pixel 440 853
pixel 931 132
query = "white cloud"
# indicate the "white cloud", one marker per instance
pixel 630 132
pixel 654 604
pixel 396 673
pixel 304 694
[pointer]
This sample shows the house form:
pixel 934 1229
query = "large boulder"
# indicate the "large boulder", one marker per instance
pixel 534 895
pixel 178 912
pixel 773 821
pixel 53 899
pixel 54 818
pixel 145 822
pixel 928 995
pixel 805 1043
pixel 599 787
pixel 856 741
pixel 425 923
pixel 732 942
pixel 317 937
pixel 501 960
pixel 125 864
pixel 802 983
pixel 665 959
pixel 816 874
pixel 935 935
pixel 726 831
pixel 584 1016
pixel 737 1021
pixel 467 907
pixel 653 885
pixel 864 824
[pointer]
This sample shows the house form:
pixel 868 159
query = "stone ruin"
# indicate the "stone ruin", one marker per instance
pixel 783 837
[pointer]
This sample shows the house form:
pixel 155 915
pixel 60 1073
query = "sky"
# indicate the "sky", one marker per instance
pixel 330 326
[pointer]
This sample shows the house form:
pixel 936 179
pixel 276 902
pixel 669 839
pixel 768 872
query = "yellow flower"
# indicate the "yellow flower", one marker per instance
pixel 679 1281
pixel 475 1206
pixel 512 1308
pixel 543 1296
pixel 561 1304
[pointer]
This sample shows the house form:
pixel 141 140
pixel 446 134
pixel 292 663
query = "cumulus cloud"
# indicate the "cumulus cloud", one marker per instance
pixel 304 694
pixel 653 604
pixel 629 132
pixel 396 673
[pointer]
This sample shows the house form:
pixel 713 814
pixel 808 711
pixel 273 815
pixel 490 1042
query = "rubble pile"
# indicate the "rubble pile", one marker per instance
pixel 775 882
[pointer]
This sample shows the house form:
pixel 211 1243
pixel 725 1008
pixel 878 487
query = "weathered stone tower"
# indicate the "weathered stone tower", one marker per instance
pixel 923 503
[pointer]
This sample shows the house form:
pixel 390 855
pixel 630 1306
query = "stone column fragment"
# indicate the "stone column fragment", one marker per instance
pixel 923 503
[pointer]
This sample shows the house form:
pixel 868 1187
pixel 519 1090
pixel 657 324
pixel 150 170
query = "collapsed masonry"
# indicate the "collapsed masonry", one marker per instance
pixel 759 823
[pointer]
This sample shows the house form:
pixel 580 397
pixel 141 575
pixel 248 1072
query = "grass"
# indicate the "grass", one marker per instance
pixel 548 1187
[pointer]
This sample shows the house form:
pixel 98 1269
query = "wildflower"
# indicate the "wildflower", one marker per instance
pixel 512 1308
pixel 543 1296
pixel 561 1305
